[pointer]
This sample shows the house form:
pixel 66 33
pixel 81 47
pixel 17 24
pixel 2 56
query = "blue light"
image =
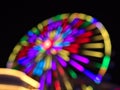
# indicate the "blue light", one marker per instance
pixel 39 68
pixel 97 79
pixel 24 61
pixel 81 31
pixel 58 31
pixel 64 35
pixel 37 48
pixel 30 33
pixel 75 21
pixel 66 43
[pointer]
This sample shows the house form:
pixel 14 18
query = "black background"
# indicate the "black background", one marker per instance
pixel 19 17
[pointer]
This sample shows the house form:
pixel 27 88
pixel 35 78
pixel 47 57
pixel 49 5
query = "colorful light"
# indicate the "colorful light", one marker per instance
pixel 64 47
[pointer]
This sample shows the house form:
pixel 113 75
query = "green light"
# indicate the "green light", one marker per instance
pixel 106 61
pixel 97 65
pixel 24 38
pixel 85 24
pixel 58 17
pixel 35 30
pixel 72 73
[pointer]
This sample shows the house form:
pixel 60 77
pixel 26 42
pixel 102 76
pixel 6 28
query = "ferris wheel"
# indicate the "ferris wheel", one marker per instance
pixel 62 49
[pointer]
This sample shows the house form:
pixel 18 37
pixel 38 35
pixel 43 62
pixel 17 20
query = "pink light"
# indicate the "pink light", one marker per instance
pixel 80 58
pixel 47 44
pixel 76 65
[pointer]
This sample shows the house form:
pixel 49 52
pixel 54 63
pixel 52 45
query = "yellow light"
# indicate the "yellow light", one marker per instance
pixel 77 15
pixel 48 62
pixel 93 45
pixel 63 52
pixel 17 48
pixel 97 38
pixel 64 16
pixel 52 34
pixel 12 87
pixel 21 75
pixel 24 43
pixel 89 88
pixel 82 16
pixel 83 87
pixel 12 57
pixel 30 81
pixel 40 27
pixel 39 57
pixel 68 85
pixel 93 53
pixel 45 22
pixel 38 42
pixel 106 38
pixel 88 18
pixel 73 16
pixel 65 57
pixel 108 47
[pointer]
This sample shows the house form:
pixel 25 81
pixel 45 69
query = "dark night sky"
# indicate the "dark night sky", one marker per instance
pixel 18 18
